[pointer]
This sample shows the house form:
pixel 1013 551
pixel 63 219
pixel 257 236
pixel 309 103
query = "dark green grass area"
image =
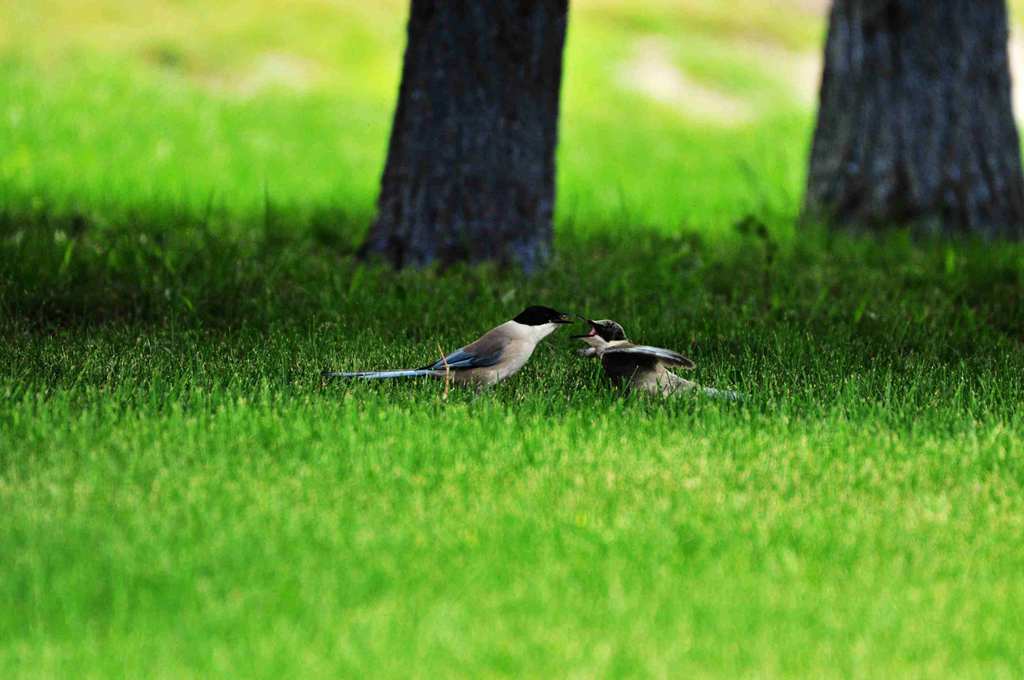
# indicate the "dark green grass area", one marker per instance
pixel 182 496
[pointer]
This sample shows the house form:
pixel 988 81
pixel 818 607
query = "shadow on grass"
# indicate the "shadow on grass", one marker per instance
pixel 204 267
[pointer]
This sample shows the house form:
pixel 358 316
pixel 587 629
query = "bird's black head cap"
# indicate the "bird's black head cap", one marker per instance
pixel 609 330
pixel 538 316
pixel 606 329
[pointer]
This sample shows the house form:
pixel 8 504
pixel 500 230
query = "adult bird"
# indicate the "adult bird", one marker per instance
pixel 497 354
pixel 640 367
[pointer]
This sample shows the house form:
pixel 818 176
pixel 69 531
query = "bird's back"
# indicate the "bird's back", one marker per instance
pixel 644 367
pixel 507 347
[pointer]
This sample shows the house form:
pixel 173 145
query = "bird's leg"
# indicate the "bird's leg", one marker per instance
pixel 447 371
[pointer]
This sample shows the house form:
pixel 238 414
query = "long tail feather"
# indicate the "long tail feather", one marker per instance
pixel 379 375
pixel 728 395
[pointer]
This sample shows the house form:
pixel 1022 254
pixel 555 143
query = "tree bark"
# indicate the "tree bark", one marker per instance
pixel 470 172
pixel 915 124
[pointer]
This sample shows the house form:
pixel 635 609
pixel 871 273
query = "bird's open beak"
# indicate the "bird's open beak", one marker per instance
pixel 589 334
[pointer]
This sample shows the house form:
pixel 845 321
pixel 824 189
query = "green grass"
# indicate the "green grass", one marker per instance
pixel 181 496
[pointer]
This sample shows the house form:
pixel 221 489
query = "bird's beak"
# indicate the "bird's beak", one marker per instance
pixel 563 318
pixel 589 334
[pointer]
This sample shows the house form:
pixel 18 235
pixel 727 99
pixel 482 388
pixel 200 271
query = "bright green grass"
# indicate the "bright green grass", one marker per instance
pixel 180 496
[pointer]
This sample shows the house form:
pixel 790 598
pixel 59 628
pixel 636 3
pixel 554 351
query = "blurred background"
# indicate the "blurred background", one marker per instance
pixel 187 102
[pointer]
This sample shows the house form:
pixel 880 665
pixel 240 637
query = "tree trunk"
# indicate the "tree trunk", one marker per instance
pixel 915 123
pixel 470 173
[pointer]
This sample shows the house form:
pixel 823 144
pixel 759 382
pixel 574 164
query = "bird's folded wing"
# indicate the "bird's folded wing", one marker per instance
pixel 650 353
pixel 619 365
pixel 462 359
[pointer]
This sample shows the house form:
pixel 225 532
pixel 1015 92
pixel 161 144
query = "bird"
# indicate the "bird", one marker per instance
pixel 641 367
pixel 497 354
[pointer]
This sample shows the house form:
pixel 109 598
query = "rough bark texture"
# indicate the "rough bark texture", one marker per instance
pixel 470 173
pixel 916 123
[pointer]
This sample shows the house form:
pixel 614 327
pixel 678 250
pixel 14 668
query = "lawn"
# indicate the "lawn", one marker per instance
pixel 181 189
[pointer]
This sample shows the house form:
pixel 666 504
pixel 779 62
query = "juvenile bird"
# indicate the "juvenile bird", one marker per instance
pixel 494 356
pixel 640 367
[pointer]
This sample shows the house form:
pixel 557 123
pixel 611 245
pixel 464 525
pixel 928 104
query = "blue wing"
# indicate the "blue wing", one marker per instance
pixel 461 359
